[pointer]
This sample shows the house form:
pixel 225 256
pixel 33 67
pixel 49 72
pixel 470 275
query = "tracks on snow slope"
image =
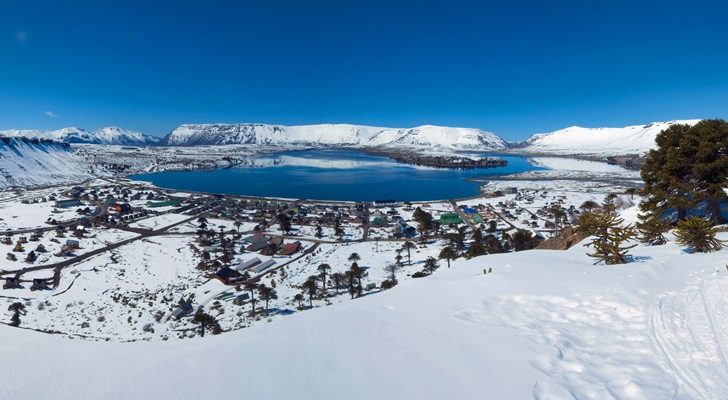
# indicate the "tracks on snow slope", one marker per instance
pixel 689 329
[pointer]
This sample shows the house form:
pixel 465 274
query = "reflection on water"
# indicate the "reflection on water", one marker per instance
pixel 335 175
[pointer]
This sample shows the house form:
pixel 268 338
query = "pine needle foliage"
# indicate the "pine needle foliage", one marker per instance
pixel 652 230
pixel 610 237
pixel 698 235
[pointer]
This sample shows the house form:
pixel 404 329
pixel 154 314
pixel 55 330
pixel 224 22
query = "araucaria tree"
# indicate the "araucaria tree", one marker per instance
pixel 431 265
pixel 689 167
pixel 310 287
pixel 610 237
pixel 392 269
pixel 652 229
pixel 17 309
pixel 324 269
pixel 409 246
pixel 267 294
pixel 448 253
pixel 207 322
pixel 698 235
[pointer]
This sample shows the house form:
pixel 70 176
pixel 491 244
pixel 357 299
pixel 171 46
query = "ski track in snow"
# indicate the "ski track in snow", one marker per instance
pixel 689 329
pixel 604 348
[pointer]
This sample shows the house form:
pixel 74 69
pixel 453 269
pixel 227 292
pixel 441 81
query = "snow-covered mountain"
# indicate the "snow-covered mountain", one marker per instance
pixel 33 162
pixel 108 135
pixel 333 135
pixel 636 139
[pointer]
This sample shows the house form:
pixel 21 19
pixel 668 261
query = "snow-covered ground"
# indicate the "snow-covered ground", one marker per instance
pixel 636 139
pixel 543 325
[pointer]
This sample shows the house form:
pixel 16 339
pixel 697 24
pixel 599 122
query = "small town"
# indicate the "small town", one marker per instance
pixel 123 260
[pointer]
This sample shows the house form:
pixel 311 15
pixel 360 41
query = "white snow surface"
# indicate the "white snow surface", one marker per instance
pixel 32 163
pixel 333 135
pixel 543 325
pixel 106 135
pixel 635 139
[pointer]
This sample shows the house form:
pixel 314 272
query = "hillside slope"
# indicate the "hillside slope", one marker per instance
pixel 33 162
pixel 636 139
pixel 544 325
pixel 333 135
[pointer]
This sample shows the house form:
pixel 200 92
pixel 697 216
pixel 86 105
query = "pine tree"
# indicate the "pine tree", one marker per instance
pixel 698 235
pixel 17 308
pixel 609 237
pixel 652 229
pixel 431 265
pixel 688 167
pixel 207 322
pixel 448 253
pixel 523 240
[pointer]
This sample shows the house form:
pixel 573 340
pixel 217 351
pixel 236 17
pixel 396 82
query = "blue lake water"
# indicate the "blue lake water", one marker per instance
pixel 335 175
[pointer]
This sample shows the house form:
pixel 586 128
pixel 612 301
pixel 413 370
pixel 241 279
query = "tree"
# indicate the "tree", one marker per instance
pixel 392 270
pixel 310 287
pixel 589 206
pixel 299 298
pixel 652 229
pixel 267 294
pixel 238 224
pixel 687 168
pixel 284 222
pixel 319 231
pixel 324 269
pixel 477 235
pixel 409 246
pixel 354 257
pixel 206 322
pixel 631 192
pixel 493 245
pixel 609 205
pixel 448 253
pixel 698 235
pixel 425 222
pixel 492 226
pixel 431 265
pixel 476 249
pixel 17 309
pixel 252 287
pixel 609 237
pixel 338 279
pixel 523 240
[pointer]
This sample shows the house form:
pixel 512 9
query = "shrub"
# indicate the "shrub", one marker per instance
pixel 698 235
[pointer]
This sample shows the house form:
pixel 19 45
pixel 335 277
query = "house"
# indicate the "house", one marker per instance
pixel 67 203
pixel 184 307
pixel 248 264
pixel 263 266
pixel 228 276
pixel 11 283
pixel 73 244
pixel 450 219
pixel 122 208
pixel 241 298
pixel 257 242
pixel 39 284
pixel 11 257
pixel 289 248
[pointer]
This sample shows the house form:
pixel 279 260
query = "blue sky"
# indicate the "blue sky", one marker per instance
pixel 514 69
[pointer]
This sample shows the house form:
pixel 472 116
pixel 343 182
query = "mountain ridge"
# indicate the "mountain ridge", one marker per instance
pixel 110 135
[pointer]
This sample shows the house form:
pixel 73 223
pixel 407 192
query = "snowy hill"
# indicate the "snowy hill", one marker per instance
pixel 33 162
pixel 544 325
pixel 108 135
pixel 333 135
pixel 636 139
